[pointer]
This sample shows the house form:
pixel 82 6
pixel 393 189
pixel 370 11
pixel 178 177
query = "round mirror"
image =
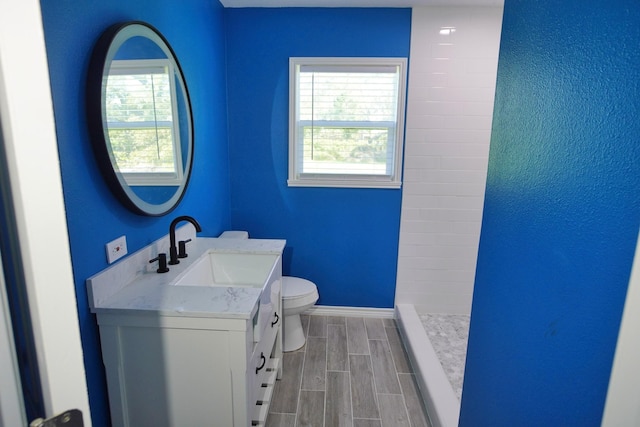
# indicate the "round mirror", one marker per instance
pixel 139 117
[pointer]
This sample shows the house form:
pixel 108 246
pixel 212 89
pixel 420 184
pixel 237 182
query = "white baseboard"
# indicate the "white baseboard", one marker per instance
pixel 326 310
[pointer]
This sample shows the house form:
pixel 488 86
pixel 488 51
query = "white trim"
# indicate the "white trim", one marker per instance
pixel 325 310
pixel 11 406
pixel 36 185
pixel 358 3
pixel 622 407
pixel 437 393
pixel 356 183
pixel 392 179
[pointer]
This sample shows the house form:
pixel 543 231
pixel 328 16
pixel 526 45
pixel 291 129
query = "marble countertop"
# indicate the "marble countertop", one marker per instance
pixel 132 287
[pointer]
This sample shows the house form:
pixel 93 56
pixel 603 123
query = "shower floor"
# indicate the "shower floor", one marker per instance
pixel 448 334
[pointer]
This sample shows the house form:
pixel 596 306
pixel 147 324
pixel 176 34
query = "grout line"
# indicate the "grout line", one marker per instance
pixel 350 394
pixel 404 399
pixel 373 378
pixel 395 366
pixel 304 361
pixel 346 334
pixel 326 370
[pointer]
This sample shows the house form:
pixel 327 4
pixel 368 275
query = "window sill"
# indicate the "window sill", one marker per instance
pixel 331 183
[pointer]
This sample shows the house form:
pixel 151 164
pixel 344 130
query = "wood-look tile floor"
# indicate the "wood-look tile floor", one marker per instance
pixel 351 372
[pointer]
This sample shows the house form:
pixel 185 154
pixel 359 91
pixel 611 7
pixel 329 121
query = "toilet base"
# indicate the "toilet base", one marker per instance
pixel 293 334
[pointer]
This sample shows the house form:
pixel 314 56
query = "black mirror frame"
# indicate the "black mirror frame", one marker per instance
pixel 94 104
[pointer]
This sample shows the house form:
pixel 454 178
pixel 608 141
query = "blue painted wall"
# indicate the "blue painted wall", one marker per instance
pixel 345 240
pixel 195 30
pixel 561 215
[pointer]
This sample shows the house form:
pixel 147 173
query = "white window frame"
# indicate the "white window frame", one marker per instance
pixel 393 178
pixel 153 66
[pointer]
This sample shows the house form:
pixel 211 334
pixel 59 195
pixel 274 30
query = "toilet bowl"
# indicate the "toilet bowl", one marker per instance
pixel 298 295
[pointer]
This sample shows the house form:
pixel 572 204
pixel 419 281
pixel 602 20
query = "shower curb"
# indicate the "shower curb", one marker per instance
pixel 443 406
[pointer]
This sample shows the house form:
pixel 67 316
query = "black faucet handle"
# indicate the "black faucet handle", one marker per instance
pixel 182 248
pixel 162 263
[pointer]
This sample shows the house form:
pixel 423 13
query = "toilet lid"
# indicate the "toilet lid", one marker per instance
pixel 293 287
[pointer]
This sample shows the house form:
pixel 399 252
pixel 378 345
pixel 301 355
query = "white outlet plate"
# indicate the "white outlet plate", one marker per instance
pixel 116 249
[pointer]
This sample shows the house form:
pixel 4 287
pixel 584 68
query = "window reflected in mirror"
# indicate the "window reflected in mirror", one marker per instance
pixel 140 108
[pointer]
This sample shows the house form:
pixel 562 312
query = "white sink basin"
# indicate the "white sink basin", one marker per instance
pixel 241 270
pixel 229 269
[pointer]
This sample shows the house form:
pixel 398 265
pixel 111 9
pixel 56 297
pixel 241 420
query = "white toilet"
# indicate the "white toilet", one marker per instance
pixel 298 295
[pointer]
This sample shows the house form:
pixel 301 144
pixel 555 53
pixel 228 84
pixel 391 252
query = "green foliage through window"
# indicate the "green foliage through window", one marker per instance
pixel 140 111
pixel 345 118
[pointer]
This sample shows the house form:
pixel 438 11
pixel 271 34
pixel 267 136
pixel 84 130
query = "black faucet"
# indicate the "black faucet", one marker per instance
pixel 162 263
pixel 173 251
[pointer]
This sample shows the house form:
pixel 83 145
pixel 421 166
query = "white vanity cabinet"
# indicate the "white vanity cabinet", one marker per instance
pixel 185 366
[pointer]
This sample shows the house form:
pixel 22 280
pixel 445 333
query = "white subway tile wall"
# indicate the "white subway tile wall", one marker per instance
pixel 452 76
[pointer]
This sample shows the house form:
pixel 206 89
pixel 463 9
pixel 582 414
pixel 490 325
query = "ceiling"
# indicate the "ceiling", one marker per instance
pixel 358 3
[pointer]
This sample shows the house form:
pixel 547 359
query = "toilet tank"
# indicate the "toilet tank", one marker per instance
pixel 233 234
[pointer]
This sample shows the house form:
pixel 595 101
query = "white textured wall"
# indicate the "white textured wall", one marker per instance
pixel 450 105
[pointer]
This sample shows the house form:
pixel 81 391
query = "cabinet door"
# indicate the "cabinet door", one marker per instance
pixel 168 377
pixel 269 300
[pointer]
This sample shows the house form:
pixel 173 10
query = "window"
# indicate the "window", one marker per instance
pixel 346 121
pixel 140 107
